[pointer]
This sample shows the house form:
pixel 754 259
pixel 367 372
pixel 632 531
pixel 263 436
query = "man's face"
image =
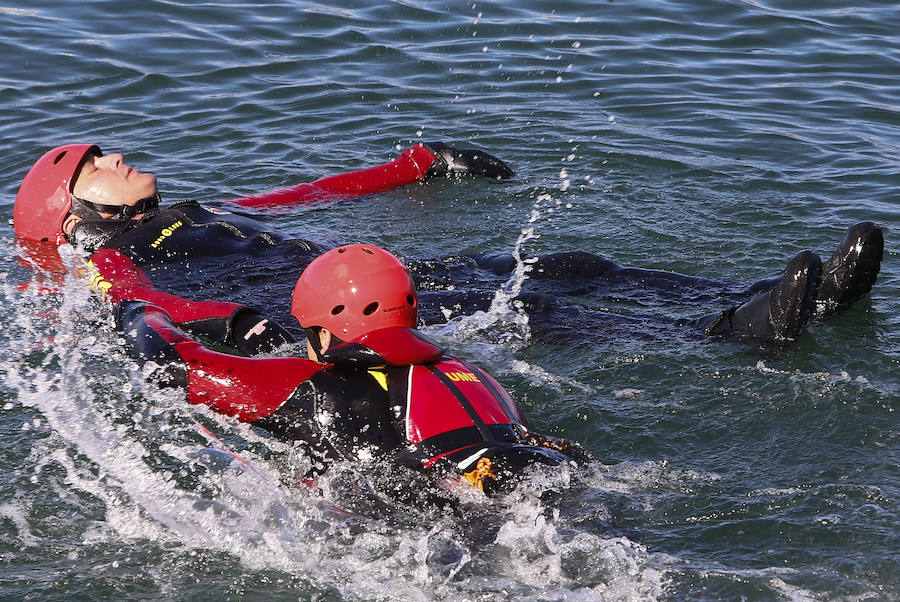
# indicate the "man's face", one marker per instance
pixel 108 180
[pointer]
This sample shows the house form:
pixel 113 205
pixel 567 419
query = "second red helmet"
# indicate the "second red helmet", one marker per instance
pixel 353 290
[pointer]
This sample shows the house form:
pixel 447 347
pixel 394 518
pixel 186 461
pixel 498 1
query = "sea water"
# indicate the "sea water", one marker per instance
pixel 710 138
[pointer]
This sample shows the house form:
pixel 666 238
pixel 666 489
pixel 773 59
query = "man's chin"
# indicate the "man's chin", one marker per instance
pixel 150 187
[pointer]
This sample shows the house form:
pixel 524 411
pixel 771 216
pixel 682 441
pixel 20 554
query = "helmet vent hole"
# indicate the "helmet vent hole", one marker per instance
pixel 59 157
pixel 337 309
pixel 411 300
pixel 371 308
pixel 369 251
pixel 342 250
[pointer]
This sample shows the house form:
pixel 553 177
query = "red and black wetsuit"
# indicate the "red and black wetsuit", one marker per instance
pixel 188 247
pixel 195 250
pixel 389 394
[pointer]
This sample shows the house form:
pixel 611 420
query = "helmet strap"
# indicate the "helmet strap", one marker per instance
pixel 89 210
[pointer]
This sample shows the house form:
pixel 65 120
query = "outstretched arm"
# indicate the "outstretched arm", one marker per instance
pixel 415 164
pixel 248 388
pixel 241 327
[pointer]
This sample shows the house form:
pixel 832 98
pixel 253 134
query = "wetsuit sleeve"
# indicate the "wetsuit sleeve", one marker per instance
pixel 247 388
pixel 415 164
pixel 241 327
pixel 238 326
pixel 411 166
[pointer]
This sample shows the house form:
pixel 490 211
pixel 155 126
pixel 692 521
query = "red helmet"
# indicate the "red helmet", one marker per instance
pixel 353 290
pixel 45 196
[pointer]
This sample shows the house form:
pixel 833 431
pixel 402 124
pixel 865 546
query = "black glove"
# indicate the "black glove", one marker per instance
pixel 464 162
pixel 251 333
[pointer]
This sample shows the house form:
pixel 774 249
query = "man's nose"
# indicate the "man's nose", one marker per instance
pixel 112 160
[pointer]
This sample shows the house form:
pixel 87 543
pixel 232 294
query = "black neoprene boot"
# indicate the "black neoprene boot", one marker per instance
pixel 850 273
pixel 780 313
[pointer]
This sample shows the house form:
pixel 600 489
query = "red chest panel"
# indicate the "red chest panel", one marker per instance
pixel 433 407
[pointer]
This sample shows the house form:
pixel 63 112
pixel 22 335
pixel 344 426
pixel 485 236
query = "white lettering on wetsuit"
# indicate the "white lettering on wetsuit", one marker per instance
pixel 256 330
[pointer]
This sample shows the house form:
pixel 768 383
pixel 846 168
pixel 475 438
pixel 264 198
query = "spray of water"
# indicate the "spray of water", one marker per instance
pixel 496 334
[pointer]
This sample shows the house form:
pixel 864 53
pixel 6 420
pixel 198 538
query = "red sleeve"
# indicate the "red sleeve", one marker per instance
pixel 247 388
pixel 411 166
pixel 118 278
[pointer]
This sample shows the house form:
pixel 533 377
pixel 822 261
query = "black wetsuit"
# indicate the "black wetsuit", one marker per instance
pixel 195 250
pixel 206 251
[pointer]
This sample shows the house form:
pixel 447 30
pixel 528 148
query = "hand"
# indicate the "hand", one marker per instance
pixel 465 162
pixel 251 333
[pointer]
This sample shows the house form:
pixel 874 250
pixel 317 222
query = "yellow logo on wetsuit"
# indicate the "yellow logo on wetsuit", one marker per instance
pixel 380 377
pixel 166 232
pixel 462 376
pixel 97 282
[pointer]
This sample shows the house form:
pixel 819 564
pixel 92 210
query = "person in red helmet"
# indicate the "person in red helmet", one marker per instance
pixel 97 201
pixel 52 200
pixel 77 182
pixel 349 292
pixel 373 387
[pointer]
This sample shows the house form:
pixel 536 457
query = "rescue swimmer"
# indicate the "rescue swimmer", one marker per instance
pixel 373 387
pixel 75 193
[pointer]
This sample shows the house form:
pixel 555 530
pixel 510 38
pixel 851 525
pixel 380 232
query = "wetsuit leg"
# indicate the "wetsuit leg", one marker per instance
pixel 465 285
pixel 573 325
pixel 572 264
pixel 777 309
pixel 575 269
pixel 849 273
pixel 552 320
pixel 780 313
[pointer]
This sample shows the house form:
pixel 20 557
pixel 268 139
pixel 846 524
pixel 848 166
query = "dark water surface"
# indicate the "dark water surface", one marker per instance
pixel 711 138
